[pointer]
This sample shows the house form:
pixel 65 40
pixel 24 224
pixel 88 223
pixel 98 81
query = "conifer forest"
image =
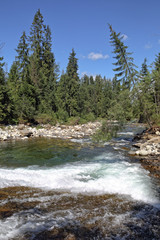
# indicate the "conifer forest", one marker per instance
pixel 34 91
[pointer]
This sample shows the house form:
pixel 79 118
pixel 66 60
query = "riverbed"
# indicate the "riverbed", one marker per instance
pixel 77 189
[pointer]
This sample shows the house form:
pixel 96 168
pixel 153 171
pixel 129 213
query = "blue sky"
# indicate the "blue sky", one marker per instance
pixel 83 25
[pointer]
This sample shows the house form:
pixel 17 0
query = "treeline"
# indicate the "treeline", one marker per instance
pixel 33 91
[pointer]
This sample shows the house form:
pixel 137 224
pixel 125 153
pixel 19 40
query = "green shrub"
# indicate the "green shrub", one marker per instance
pixel 90 117
pixel 73 121
pixel 107 131
pixel 62 115
pixel 155 118
pixel 44 118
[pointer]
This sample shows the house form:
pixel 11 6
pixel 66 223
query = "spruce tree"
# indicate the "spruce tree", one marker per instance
pixel 36 45
pixel 156 83
pixel 13 85
pixel 98 95
pixel 116 87
pixel 49 74
pixel 157 62
pixel 26 89
pixel 72 85
pixel 125 67
pixel 63 98
pixel 43 69
pixel 92 94
pixel 144 69
pixel 107 96
pixel 23 53
pixel 145 94
pixel 84 97
pixel 3 95
pixel 36 37
pixel 126 75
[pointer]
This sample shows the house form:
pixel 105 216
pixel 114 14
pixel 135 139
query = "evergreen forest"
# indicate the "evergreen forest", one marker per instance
pixel 33 91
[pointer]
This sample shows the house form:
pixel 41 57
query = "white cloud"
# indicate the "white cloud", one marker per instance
pixel 124 37
pixel 148 46
pixel 96 56
pixel 159 41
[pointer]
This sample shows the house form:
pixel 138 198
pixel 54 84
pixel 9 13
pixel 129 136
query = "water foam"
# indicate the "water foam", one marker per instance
pixel 102 175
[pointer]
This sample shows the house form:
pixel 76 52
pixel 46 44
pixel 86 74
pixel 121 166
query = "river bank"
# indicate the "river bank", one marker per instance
pixel 22 131
pixel 148 145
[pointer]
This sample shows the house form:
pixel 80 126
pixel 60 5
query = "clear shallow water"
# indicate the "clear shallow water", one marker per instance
pixel 77 183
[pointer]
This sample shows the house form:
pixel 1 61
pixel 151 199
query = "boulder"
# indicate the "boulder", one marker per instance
pixel 142 152
pixel 20 126
pixel 26 133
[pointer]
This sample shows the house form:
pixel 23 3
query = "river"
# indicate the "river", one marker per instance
pixel 58 189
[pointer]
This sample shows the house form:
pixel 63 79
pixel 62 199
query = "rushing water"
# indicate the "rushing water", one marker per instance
pixel 56 189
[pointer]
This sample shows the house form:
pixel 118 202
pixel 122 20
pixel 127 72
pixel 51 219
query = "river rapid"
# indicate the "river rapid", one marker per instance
pixel 60 189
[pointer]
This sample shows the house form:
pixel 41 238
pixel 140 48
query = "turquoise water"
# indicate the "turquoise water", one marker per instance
pixel 74 168
pixel 40 152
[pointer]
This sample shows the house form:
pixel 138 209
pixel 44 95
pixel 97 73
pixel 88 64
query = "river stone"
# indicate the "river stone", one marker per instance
pixel 137 145
pixel 154 140
pixel 70 237
pixel 64 131
pixel 20 126
pixel 143 152
pixel 158 133
pixel 26 133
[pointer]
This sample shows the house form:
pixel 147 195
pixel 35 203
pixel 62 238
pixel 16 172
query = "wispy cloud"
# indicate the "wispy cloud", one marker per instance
pixel 124 37
pixel 159 41
pixel 96 56
pixel 148 45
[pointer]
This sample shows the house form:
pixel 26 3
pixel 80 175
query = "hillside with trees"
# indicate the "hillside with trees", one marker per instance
pixel 33 90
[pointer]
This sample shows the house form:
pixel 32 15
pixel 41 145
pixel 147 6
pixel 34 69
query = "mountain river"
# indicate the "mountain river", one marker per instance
pixel 60 189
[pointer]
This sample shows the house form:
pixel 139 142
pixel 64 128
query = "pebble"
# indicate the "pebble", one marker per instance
pixel 149 150
pixel 22 131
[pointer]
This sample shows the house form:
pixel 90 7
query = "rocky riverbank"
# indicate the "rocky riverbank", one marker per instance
pixel 22 131
pixel 147 145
